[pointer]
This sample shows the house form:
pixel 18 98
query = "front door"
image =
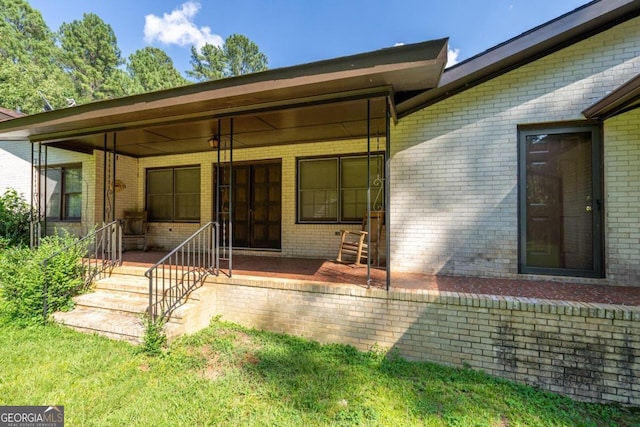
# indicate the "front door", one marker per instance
pixel 560 202
pixel 257 190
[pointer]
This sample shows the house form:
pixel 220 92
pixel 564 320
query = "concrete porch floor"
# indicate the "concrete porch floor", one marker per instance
pixel 329 271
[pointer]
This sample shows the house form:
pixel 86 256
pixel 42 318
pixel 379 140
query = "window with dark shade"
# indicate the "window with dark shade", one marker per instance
pixel 335 189
pixel 173 194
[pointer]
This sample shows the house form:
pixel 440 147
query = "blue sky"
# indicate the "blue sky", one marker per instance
pixel 294 32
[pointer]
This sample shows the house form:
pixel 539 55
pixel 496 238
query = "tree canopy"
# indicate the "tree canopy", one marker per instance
pixel 30 69
pixel 152 69
pixel 236 57
pixel 82 61
pixel 90 54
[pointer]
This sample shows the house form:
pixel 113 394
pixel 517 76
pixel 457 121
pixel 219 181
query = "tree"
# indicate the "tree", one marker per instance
pixel 90 55
pixel 119 84
pixel 29 60
pixel 152 69
pixel 236 57
pixel 243 56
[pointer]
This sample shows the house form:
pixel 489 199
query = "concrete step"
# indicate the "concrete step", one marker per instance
pixel 124 283
pixel 129 270
pixel 122 302
pixel 120 326
pixel 117 306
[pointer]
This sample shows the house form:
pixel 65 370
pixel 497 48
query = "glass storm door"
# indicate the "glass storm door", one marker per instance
pixel 560 202
pixel 257 193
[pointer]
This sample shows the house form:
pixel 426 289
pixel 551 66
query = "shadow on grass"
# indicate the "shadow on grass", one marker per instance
pixel 339 385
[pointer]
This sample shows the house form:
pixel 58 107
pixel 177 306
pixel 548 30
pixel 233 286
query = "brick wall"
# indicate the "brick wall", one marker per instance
pixel 454 180
pixel 622 184
pixel 588 351
pixel 296 238
pixel 126 190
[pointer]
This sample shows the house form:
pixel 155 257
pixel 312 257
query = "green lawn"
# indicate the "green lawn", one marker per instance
pixel 227 375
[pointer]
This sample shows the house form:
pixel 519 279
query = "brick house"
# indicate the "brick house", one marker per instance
pixel 519 162
pixel 522 162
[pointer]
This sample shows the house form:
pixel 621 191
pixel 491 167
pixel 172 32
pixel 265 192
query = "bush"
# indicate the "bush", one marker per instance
pixel 22 279
pixel 14 219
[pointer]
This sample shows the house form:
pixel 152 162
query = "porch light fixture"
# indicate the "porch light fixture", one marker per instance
pixel 213 141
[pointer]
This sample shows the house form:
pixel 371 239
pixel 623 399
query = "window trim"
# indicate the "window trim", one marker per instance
pixel 62 199
pixel 339 186
pixel 173 193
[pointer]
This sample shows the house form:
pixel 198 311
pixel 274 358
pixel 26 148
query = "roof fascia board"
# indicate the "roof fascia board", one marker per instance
pixel 530 46
pixel 383 91
pixel 616 102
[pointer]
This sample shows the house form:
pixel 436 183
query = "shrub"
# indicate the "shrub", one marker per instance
pixel 22 278
pixel 14 219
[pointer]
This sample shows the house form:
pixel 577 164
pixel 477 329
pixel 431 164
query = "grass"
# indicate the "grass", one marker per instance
pixel 228 375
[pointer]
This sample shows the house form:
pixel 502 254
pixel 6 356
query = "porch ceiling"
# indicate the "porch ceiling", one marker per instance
pixel 325 100
pixel 343 120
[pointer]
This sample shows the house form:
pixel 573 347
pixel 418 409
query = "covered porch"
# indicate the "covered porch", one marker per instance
pixel 245 153
pixel 329 272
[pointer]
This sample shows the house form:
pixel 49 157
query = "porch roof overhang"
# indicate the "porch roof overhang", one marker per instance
pixel 624 98
pixel 320 101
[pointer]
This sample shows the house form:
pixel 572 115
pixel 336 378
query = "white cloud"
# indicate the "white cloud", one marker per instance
pixel 178 28
pixel 452 57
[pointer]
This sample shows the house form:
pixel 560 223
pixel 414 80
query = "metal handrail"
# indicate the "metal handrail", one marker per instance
pixel 182 270
pixel 103 250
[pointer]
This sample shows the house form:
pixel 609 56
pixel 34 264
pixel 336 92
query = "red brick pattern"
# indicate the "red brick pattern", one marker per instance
pixel 332 272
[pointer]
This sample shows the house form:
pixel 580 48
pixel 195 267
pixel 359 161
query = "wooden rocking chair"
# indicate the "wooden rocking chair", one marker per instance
pixel 134 227
pixel 355 243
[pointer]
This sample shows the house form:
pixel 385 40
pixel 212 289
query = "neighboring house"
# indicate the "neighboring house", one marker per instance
pixel 521 161
pixel 15 161
pixel 6 114
pixel 16 157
